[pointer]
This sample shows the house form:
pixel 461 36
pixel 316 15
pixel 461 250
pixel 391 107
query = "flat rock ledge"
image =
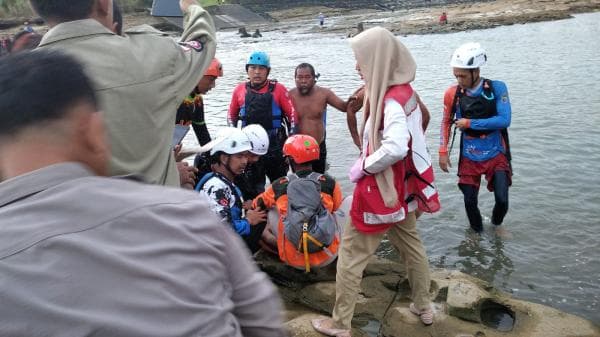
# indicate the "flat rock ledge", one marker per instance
pixel 465 306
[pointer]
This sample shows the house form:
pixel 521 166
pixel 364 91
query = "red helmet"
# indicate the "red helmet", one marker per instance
pixel 214 69
pixel 302 148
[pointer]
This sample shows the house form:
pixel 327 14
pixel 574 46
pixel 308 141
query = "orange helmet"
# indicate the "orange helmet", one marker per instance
pixel 214 69
pixel 302 148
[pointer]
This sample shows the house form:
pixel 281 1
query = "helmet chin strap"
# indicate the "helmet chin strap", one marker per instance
pixel 228 167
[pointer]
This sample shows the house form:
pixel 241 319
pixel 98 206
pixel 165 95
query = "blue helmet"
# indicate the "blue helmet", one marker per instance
pixel 258 58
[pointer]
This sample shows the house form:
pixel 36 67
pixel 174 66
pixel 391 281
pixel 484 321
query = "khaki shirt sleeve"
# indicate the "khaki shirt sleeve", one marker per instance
pixel 198 45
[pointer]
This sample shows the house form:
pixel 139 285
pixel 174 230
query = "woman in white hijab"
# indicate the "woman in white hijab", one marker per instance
pixel 393 144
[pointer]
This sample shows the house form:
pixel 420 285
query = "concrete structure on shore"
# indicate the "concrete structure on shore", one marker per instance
pixel 225 16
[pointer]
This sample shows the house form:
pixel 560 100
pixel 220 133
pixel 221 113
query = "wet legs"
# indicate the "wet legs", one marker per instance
pixel 501 182
pixel 470 193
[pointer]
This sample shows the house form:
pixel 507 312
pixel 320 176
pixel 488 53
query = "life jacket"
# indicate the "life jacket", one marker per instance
pixel 261 108
pixel 310 239
pixel 202 163
pixel 476 107
pixel 237 209
pixel 191 110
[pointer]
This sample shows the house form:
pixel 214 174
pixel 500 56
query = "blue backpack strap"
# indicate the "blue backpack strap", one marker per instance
pixel 203 181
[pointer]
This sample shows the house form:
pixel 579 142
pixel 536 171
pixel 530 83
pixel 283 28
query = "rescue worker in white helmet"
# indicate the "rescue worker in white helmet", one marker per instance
pixel 480 109
pixel 249 181
pixel 229 157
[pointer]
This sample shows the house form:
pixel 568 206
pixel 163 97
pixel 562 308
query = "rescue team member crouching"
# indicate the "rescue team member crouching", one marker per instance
pixel 316 195
pixel 228 157
pixel 248 181
pixel 480 108
pixel 260 145
pixel 191 110
pixel 267 103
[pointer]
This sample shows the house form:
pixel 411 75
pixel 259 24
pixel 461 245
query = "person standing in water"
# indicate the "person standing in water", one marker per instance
pixel 310 102
pixel 480 108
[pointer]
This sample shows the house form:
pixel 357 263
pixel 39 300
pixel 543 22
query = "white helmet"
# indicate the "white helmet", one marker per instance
pixel 231 141
pixel 469 56
pixel 258 138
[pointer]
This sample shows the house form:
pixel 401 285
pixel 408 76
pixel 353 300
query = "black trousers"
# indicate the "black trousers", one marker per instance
pixel 470 193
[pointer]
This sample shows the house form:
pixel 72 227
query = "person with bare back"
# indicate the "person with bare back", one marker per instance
pixel 310 102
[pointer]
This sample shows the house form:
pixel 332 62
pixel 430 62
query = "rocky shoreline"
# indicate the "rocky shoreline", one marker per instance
pixel 465 306
pixel 421 18
pixel 425 20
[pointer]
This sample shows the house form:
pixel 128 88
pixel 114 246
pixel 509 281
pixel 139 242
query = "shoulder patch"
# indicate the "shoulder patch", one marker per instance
pixel 504 98
pixel 192 45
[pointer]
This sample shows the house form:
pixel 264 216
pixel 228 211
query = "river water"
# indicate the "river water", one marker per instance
pixel 552 70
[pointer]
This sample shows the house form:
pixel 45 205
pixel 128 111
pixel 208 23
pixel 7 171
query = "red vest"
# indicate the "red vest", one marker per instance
pixel 369 213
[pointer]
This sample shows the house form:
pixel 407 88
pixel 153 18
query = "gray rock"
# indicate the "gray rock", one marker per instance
pixel 464 306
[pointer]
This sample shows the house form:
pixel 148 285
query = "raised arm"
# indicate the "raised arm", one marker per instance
pixel 197 48
pixel 335 101
pixel 424 112
pixel 355 103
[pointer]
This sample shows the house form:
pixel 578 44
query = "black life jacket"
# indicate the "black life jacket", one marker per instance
pixel 482 106
pixel 258 108
pixel 477 107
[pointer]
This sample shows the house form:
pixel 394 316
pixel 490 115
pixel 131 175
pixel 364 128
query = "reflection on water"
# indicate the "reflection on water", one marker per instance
pixel 484 258
pixel 552 70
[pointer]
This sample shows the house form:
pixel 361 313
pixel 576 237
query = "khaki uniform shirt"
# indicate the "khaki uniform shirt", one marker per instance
pixel 140 78
pixel 82 255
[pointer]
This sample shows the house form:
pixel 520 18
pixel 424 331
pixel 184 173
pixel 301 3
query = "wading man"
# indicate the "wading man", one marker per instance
pixel 310 101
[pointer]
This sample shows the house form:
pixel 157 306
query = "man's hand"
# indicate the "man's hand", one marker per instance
pixel 185 4
pixel 255 217
pixel 356 100
pixel 444 162
pixel 355 103
pixel 463 123
pixel 187 175
pixel 247 205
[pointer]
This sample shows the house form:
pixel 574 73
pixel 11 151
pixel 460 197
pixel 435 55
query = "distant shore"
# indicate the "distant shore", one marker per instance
pixel 422 20
pixel 425 20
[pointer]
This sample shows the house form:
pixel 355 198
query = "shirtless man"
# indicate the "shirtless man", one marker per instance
pixel 310 102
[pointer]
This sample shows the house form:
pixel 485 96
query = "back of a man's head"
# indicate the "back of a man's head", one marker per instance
pixel 63 10
pixel 39 87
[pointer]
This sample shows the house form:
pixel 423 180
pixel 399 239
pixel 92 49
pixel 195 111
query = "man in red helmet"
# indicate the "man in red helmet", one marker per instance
pixel 191 111
pixel 303 199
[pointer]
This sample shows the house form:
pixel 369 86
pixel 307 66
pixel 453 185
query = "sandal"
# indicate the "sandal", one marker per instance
pixel 426 315
pixel 325 325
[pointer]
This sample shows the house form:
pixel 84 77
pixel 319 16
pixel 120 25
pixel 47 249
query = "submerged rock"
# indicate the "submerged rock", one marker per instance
pixel 464 306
